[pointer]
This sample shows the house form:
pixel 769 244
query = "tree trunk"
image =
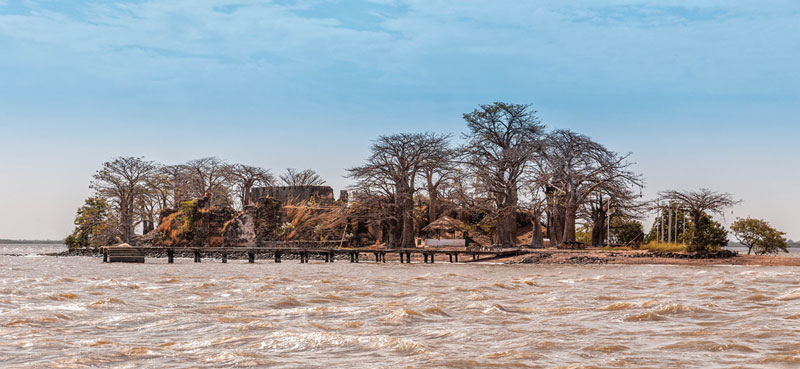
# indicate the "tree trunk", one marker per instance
pixel 406 211
pixel 394 233
pixel 599 229
pixel 537 238
pixel 407 238
pixel 245 196
pixel 557 233
pixel 126 223
pixel 549 224
pixel 570 212
pixel 432 205
pixel 147 226
pixel 696 215
pixel 507 220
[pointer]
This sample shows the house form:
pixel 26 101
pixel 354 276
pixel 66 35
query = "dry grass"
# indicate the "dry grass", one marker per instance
pixel 311 222
pixel 168 228
pixel 664 247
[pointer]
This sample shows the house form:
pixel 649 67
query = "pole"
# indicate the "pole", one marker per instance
pixel 608 230
pixel 676 226
pixel 669 231
pixel 684 224
pixel 661 219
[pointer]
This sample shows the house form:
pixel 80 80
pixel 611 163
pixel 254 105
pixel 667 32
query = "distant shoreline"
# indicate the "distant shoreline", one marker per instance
pixel 4 241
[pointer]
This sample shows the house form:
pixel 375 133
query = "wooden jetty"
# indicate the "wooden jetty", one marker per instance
pixel 113 254
pixel 123 254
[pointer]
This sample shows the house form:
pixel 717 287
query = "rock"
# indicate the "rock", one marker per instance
pixel 255 225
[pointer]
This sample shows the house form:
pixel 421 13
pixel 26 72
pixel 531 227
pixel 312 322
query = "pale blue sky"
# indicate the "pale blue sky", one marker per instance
pixel 704 93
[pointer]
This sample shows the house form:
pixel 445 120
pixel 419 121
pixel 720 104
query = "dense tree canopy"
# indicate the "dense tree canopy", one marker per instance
pixel 94 225
pixel 759 237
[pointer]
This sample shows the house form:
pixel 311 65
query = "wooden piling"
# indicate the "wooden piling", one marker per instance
pixel 432 257
pixel 277 256
pixel 105 255
pixel 170 256
pixel 251 257
pixel 224 257
pixel 408 258
pixel 196 256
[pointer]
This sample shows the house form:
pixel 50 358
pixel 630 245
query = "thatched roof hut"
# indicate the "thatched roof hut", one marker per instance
pixel 444 223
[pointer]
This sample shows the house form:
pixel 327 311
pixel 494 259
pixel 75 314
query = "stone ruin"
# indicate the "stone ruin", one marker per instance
pixel 255 225
pixel 198 223
pixel 287 194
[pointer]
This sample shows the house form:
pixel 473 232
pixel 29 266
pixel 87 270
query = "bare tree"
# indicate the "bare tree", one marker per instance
pixel 146 208
pixel 536 203
pixel 391 170
pixel 206 177
pixel 373 202
pixel 697 203
pixel 173 184
pixel 438 170
pixel 502 140
pixel 616 199
pixel 245 177
pixel 123 182
pixel 575 167
pixel 306 177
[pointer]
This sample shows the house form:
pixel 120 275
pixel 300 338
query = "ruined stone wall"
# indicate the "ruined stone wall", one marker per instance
pixel 196 225
pixel 285 194
pixel 255 225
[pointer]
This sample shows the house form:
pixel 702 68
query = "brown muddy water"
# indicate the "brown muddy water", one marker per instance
pixel 71 312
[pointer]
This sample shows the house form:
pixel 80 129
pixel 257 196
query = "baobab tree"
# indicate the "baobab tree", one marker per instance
pixel 123 183
pixel 392 169
pixel 574 167
pixel 173 182
pixel 439 169
pixel 244 177
pixel 615 199
pixel 502 140
pixel 697 203
pixel 305 177
pixel 206 177
pixel 536 203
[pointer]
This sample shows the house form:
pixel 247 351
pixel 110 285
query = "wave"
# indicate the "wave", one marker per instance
pixel 286 303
